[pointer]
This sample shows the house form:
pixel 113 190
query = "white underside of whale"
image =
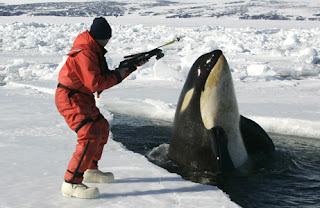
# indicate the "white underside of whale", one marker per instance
pixel 219 107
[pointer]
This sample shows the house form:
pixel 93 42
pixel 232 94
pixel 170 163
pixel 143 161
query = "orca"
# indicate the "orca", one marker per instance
pixel 208 131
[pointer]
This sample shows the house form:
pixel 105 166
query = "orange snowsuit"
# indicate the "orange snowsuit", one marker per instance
pixel 84 73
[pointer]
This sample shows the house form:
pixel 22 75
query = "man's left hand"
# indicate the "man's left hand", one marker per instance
pixel 142 62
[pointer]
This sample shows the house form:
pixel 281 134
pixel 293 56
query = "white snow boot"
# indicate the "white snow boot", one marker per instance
pixel 79 190
pixel 97 176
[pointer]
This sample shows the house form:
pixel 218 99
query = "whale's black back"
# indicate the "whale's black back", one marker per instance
pixel 255 138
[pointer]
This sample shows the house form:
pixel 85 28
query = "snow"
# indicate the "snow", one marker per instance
pixel 38 1
pixel 275 66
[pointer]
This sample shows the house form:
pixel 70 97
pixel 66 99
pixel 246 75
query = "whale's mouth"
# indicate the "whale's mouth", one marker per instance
pixel 206 63
pixel 203 66
pixel 210 59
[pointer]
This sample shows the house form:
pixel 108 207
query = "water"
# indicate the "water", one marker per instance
pixel 288 178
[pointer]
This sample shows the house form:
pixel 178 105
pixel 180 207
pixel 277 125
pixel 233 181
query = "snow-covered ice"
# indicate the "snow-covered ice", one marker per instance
pixel 35 147
pixel 276 71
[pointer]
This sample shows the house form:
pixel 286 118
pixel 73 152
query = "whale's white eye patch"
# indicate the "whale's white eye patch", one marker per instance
pixel 186 100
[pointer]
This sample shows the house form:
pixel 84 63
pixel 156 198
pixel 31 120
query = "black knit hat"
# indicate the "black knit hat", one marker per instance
pixel 100 29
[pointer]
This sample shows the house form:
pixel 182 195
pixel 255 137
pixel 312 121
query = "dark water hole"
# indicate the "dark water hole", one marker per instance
pixel 289 178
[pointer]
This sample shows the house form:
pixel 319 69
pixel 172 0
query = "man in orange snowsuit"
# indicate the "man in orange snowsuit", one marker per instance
pixel 84 73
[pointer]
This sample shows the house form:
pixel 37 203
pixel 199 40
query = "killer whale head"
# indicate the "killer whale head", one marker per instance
pixel 207 129
pixel 200 71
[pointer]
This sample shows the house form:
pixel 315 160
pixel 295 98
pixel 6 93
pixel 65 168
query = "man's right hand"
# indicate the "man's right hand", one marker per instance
pixel 122 71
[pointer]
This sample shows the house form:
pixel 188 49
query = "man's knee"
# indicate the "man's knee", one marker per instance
pixel 104 127
pixel 90 132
